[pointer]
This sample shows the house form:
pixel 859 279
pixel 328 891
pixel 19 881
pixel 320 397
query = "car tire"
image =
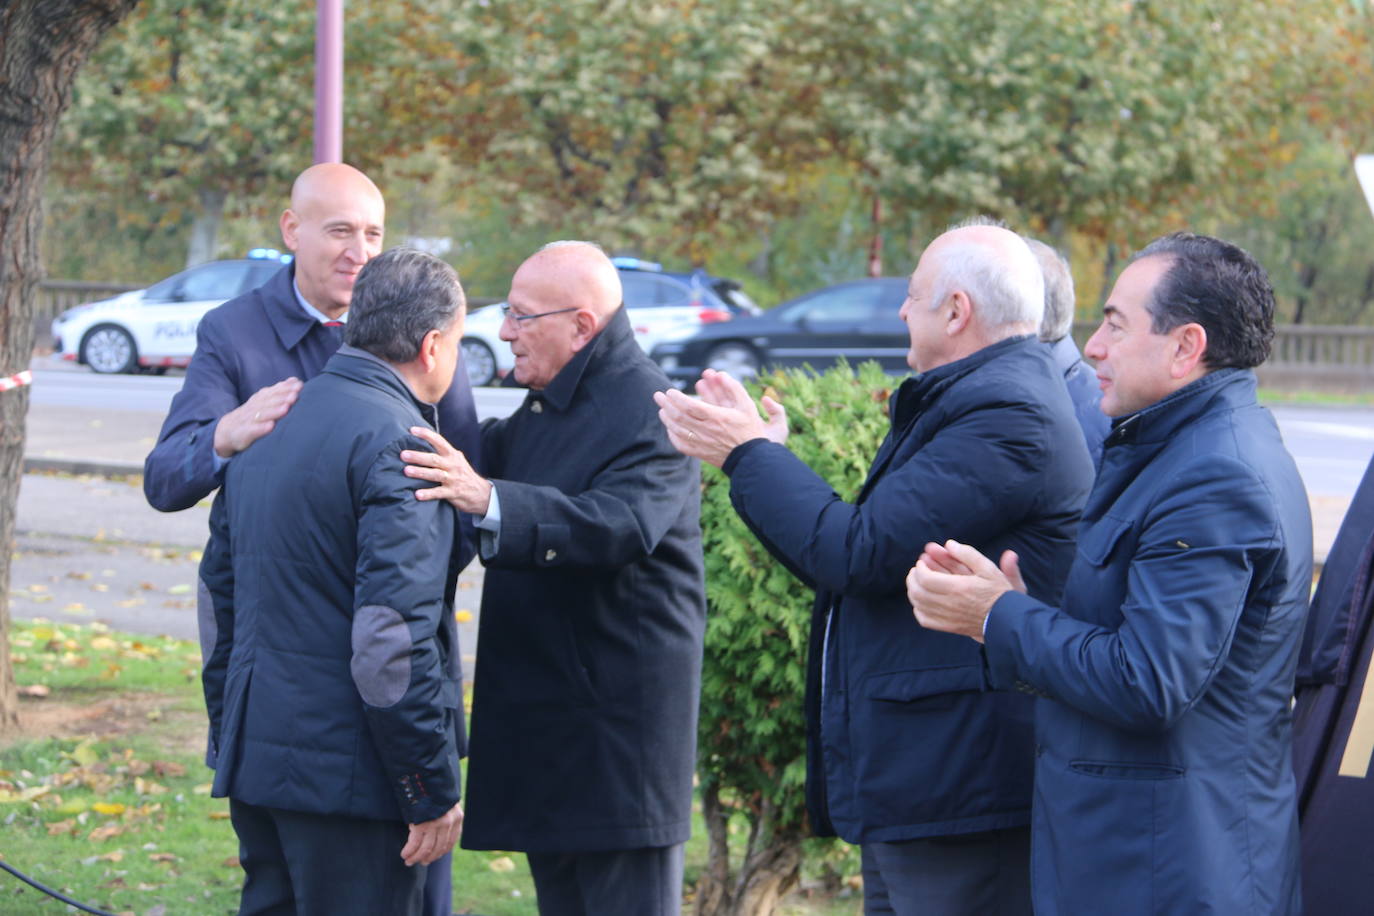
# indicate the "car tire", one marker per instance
pixel 736 359
pixel 479 361
pixel 109 350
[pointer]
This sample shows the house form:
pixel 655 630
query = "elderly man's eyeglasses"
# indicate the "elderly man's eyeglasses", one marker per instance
pixel 516 317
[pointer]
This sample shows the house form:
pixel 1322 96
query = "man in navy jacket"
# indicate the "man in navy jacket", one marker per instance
pixel 333 683
pixel 908 753
pixel 1163 777
pixel 254 352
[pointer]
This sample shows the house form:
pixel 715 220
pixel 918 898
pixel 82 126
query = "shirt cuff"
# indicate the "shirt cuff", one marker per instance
pixel 489 527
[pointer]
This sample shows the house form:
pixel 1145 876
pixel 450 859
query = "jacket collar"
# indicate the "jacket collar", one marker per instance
pixel 361 366
pixel 1065 353
pixel 289 321
pixel 916 392
pixel 608 342
pixel 1219 389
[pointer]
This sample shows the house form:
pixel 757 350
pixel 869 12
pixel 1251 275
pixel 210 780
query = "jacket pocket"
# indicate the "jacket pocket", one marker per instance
pixel 1109 769
pixel 1100 540
pixel 935 687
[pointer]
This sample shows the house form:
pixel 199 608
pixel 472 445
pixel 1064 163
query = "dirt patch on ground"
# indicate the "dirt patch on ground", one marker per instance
pixel 110 716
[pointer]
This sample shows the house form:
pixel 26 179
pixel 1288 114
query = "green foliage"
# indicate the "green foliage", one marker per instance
pixel 752 732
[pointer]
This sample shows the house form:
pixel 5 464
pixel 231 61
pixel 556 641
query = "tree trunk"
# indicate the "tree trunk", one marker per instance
pixel 767 874
pixel 42 45
pixel 205 230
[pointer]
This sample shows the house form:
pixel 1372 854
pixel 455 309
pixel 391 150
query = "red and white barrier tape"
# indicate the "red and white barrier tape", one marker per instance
pixel 18 380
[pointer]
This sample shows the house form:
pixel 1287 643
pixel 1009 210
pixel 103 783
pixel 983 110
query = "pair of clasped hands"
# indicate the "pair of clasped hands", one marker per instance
pixel 951 587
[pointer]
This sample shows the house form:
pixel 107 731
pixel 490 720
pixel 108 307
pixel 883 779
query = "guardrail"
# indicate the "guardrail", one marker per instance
pixel 1331 357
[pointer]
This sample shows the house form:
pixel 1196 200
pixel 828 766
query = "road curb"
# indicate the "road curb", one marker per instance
pixel 75 466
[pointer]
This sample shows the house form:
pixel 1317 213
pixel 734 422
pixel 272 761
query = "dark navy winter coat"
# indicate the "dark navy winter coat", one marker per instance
pixel 1163 778
pixel 904 738
pixel 333 685
pixel 584 705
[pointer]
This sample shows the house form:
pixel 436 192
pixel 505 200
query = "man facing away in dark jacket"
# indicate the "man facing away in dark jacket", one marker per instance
pixel 1079 377
pixel 909 754
pixel 584 708
pixel 1163 778
pixel 333 683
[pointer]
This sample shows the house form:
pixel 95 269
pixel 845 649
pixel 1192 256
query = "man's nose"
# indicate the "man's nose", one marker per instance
pixel 1094 349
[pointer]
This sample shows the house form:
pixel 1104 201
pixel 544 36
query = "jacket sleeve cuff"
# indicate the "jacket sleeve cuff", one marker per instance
pixel 1000 632
pixel 738 452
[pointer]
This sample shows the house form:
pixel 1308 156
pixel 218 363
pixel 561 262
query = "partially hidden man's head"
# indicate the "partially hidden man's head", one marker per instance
pixel 560 299
pixel 408 309
pixel 974 285
pixel 1185 305
pixel 334 226
pixel 1059 298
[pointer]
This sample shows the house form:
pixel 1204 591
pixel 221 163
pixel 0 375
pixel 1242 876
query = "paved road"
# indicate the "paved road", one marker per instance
pixel 90 548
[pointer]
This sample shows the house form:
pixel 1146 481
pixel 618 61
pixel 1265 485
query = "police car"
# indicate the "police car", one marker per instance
pixel 155 328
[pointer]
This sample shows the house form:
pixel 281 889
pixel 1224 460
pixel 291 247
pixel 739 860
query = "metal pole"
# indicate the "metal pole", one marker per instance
pixel 329 26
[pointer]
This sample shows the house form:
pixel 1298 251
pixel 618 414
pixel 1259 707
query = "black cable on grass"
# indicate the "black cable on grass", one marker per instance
pixel 57 895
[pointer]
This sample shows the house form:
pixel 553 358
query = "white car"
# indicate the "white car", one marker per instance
pixel 658 303
pixel 155 328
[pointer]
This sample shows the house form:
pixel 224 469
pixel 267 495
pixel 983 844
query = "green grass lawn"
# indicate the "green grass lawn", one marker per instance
pixel 105 796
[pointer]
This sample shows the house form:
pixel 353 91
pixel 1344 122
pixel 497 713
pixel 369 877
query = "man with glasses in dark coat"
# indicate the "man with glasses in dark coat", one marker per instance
pixel 584 707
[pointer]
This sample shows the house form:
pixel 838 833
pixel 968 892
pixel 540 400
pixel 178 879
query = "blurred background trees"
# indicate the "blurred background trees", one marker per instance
pixel 750 136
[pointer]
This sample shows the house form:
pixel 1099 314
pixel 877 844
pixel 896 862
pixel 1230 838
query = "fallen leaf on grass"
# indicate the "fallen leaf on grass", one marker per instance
pixel 24 795
pixel 103 643
pixel 167 768
pixel 202 789
pixel 115 884
pixel 162 857
pixel 148 787
pixel 111 808
pixel 114 855
pixel 104 833
pixel 502 864
pixel 59 827
pixel 35 690
pixel 219 815
pixel 231 862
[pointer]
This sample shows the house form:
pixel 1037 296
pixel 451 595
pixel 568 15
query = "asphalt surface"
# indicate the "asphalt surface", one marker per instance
pixel 90 548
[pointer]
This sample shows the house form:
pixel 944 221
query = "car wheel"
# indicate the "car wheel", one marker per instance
pixel 736 359
pixel 480 362
pixel 108 349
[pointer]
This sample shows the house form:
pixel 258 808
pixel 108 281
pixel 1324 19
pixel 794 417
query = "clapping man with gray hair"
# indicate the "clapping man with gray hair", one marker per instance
pixel 909 754
pixel 333 682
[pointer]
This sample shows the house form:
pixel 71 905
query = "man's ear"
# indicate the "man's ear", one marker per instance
pixel 960 312
pixel 429 350
pixel 290 225
pixel 1190 347
pixel 585 324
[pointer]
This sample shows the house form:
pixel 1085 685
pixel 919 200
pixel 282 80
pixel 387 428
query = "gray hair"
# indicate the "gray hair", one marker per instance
pixel 1005 284
pixel 1059 298
pixel 399 297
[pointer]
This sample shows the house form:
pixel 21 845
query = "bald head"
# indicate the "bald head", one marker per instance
pixel 994 267
pixel 334 226
pixel 560 299
pixel 326 182
pixel 576 275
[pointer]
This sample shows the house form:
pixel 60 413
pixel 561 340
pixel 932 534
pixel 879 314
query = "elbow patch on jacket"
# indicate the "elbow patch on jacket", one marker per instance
pixel 381 655
pixel 206 627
